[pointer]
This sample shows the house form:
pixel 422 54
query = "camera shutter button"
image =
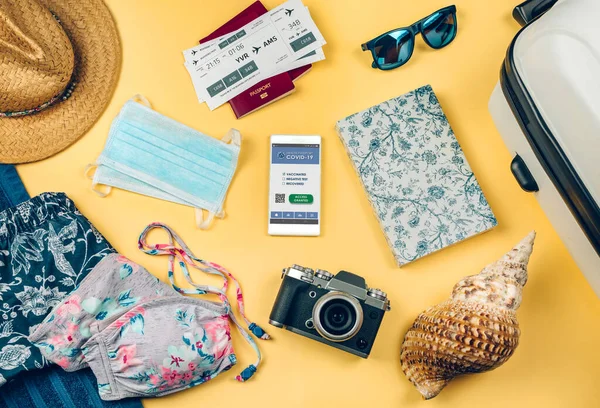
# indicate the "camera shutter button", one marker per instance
pixel 323 274
pixel 377 294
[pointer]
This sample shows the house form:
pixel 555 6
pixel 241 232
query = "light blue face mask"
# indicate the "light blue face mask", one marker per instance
pixel 151 154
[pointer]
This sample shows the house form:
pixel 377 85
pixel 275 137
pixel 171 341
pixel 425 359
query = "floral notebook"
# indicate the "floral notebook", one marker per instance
pixel 415 174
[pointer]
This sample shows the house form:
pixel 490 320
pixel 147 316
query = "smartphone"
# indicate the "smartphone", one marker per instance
pixel 295 185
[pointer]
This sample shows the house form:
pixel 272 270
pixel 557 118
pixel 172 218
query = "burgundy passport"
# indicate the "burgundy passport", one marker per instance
pixel 269 90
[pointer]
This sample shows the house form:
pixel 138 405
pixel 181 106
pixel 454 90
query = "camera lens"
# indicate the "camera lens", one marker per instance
pixel 337 316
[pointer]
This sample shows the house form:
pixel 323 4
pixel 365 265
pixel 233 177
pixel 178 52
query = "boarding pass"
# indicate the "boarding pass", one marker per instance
pixel 270 44
pixel 310 58
pixel 200 51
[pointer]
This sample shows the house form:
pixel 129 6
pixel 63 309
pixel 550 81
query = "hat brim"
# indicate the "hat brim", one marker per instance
pixel 95 40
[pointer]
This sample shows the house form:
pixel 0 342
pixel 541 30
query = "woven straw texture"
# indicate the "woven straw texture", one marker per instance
pixel 38 57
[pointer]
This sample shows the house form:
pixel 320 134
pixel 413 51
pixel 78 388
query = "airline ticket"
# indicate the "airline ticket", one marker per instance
pixel 276 42
pixel 310 58
pixel 200 51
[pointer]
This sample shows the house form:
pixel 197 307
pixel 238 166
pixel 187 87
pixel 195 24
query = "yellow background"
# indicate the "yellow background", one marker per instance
pixel 557 363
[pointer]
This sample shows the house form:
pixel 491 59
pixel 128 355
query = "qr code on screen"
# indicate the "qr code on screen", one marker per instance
pixel 279 198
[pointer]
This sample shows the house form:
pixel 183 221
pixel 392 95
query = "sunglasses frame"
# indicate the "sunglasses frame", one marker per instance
pixel 413 30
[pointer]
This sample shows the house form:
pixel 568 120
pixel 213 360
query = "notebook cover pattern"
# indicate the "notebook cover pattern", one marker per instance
pixel 416 176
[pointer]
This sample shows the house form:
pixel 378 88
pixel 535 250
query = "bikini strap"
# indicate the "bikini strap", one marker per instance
pixel 176 249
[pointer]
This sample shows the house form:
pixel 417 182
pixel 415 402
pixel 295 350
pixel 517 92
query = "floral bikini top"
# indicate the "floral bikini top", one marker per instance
pixel 139 336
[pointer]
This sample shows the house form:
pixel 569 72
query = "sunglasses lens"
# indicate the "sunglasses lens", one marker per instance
pixel 440 29
pixel 393 49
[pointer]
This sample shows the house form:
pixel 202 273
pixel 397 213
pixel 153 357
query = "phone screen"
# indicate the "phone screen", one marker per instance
pixel 295 187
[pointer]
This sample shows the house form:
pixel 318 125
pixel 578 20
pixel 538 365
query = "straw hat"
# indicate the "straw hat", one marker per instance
pixel 59 63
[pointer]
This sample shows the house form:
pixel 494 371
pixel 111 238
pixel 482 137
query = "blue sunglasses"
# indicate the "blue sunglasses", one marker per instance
pixel 394 48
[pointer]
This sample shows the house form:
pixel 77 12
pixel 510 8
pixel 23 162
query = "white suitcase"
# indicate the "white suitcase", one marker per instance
pixel 547 109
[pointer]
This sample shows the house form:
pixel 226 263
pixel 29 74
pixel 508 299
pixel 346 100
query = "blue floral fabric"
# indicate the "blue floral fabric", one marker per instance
pixel 415 174
pixel 46 248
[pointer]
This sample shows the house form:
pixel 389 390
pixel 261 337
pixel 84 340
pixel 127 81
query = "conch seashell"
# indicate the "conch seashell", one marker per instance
pixel 476 330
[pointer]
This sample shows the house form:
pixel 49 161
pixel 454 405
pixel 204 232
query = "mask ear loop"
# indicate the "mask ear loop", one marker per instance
pixel 204 223
pixel 186 257
pixel 234 136
pixel 86 173
pixel 142 99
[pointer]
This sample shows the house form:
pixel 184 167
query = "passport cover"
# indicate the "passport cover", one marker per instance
pixel 416 176
pixel 267 91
